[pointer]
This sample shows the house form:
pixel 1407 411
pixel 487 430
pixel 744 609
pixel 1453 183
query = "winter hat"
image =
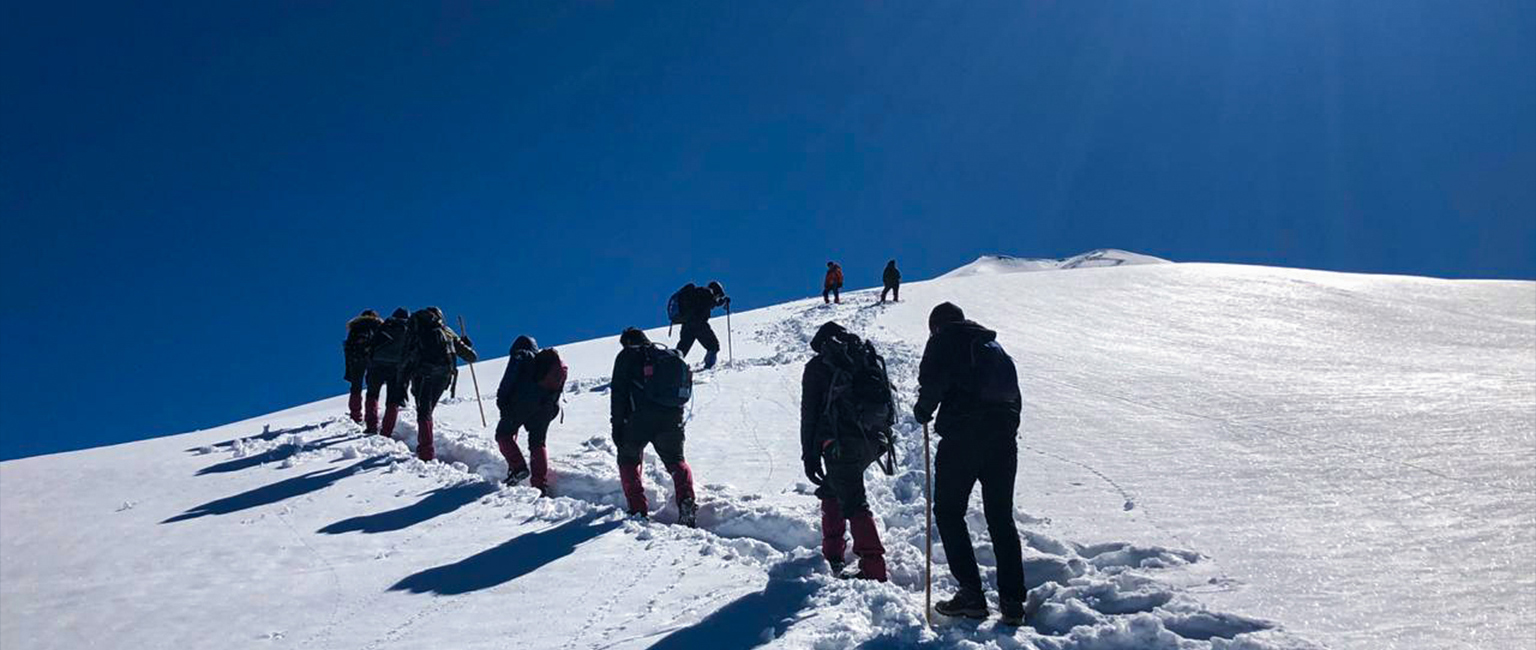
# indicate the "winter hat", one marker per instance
pixel 525 343
pixel 946 312
pixel 715 288
pixel 400 312
pixel 633 338
pixel 369 312
pixel 828 331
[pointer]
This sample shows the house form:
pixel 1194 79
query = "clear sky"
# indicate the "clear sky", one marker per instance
pixel 196 195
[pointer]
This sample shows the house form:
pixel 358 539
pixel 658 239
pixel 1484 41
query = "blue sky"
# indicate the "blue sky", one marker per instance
pixel 196 196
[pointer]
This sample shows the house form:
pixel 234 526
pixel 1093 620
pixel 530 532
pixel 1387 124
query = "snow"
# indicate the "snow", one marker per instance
pixel 1212 456
pixel 998 264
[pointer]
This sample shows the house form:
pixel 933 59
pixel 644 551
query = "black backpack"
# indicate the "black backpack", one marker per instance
pixel 429 345
pixel 665 378
pixel 860 402
pixel 676 309
pixel 992 377
pixel 389 342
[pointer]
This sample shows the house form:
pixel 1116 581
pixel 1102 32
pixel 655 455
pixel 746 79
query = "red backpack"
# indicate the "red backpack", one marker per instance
pixel 554 372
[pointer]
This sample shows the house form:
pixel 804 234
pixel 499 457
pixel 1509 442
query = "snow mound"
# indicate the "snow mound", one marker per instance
pixel 1000 264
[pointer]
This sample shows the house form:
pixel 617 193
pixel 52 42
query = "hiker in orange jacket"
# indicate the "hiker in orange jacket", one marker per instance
pixel 833 285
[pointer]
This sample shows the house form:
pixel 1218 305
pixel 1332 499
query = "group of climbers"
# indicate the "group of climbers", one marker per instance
pixel 409 351
pixel 847 417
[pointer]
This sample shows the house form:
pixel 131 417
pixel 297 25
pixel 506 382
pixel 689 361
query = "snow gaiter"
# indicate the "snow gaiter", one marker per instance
pixel 355 402
pixel 832 528
pixel 634 493
pixel 866 545
pixel 371 417
pixel 509 451
pixel 391 413
pixel 424 448
pixel 682 480
pixel 539 461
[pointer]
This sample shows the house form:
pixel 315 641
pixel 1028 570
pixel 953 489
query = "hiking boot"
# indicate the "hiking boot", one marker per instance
pixel 709 359
pixel 837 566
pixel 516 476
pixel 967 604
pixel 1013 612
pixel 688 513
pixel 638 515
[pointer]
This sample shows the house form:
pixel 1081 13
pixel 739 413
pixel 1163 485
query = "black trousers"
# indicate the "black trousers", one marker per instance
pixel 386 375
pixel 664 431
pixel 428 387
pixel 535 420
pixel 845 476
pixel 991 458
pixel 891 288
pixel 697 331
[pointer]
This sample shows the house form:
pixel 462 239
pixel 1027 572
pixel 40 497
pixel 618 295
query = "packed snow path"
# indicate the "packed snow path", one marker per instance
pixel 1212 456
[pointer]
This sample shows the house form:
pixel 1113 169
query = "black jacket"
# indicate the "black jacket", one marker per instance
pixel 966 370
pixel 358 346
pixel 698 303
pixel 625 402
pixel 518 393
pixel 814 427
pixel 892 277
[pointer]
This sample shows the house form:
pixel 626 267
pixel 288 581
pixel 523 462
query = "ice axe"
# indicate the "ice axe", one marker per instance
pixel 478 400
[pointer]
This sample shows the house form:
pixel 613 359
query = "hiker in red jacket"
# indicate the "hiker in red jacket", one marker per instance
pixel 833 285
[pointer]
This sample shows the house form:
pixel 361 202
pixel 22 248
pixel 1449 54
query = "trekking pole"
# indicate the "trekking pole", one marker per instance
pixel 730 347
pixel 478 400
pixel 927 534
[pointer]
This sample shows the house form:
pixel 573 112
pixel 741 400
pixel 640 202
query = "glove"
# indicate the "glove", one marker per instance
pixel 618 430
pixel 813 470
pixel 465 339
pixel 923 418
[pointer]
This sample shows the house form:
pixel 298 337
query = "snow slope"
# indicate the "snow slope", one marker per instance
pixel 997 264
pixel 1212 456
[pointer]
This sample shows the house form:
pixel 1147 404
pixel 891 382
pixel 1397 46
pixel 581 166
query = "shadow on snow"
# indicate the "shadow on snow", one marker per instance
pixel 267 435
pixel 273 455
pixel 746 621
pixel 437 503
pixel 284 489
pixel 512 559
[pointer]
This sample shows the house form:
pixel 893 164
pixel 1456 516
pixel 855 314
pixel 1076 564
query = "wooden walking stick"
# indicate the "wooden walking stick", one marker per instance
pixel 927 533
pixel 478 400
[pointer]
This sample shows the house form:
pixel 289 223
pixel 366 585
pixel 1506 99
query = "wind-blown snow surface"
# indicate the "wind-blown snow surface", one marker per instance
pixel 1212 456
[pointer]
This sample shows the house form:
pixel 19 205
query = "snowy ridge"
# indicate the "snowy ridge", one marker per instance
pixel 1198 441
pixel 999 264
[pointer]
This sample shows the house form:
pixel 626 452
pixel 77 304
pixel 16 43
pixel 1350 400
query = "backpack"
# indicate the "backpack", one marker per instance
pixel 429 344
pixel 665 378
pixel 389 341
pixel 676 311
pixel 554 371
pixel 992 376
pixel 860 402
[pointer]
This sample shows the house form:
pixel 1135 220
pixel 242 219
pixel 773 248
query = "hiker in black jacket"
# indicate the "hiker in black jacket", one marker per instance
pixel 384 371
pixel 431 362
pixel 892 280
pixel 356 350
pixel 640 420
pixel 969 373
pixel 526 398
pixel 697 304
pixel 831 431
